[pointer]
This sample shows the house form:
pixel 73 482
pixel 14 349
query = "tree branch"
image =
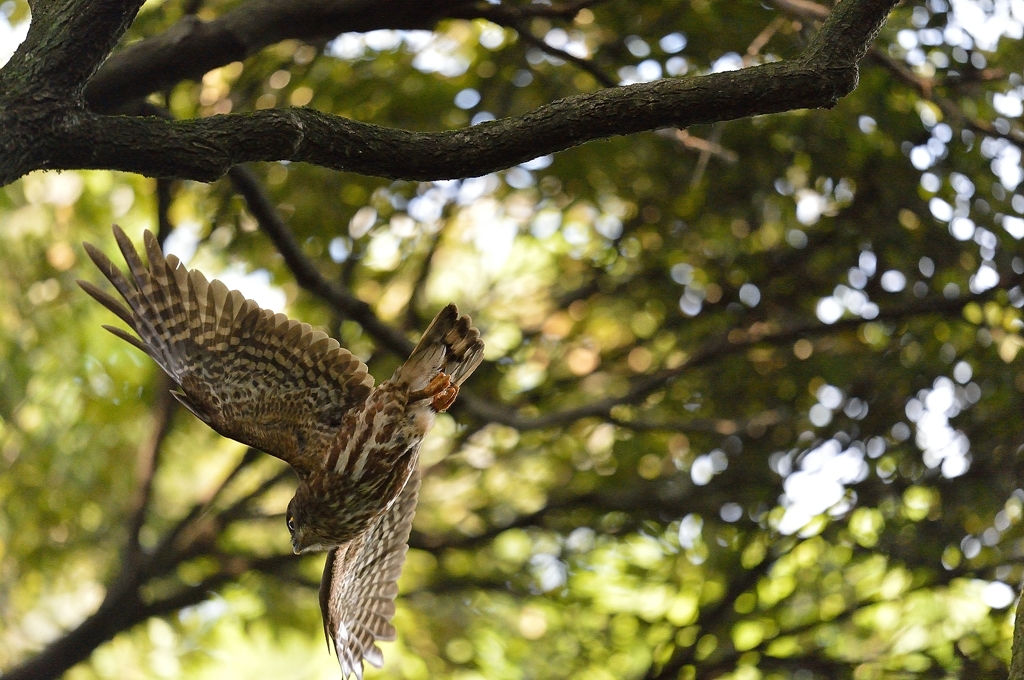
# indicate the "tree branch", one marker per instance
pixel 66 42
pixel 191 47
pixel 713 615
pixel 718 346
pixel 721 345
pixel 207 148
pixel 148 462
pixel 846 35
pixel 1017 660
pixel 504 14
pixel 722 426
pixel 586 64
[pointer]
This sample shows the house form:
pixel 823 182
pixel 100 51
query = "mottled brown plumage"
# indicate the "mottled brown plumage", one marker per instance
pixel 358 588
pixel 279 386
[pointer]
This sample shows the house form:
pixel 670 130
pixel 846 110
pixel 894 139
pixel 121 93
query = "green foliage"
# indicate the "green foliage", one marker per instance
pixel 766 313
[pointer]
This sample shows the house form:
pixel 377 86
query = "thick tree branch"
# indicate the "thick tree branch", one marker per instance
pixel 44 80
pixel 66 42
pixel 925 87
pixel 191 47
pixel 847 34
pixel 205 149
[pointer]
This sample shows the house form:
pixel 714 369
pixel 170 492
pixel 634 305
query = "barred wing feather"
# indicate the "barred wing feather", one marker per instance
pixel 359 585
pixel 252 375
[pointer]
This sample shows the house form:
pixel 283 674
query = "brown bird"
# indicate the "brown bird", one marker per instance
pixel 279 386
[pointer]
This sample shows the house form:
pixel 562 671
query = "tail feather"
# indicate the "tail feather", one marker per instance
pixel 466 350
pixel 449 345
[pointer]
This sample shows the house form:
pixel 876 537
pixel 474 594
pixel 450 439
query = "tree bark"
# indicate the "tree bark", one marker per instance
pixel 40 129
pixel 1017 660
pixel 191 47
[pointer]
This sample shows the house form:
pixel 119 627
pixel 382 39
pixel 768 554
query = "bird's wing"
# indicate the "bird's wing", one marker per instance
pixel 250 374
pixel 357 592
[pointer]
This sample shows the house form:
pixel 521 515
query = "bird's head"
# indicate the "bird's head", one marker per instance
pixel 305 537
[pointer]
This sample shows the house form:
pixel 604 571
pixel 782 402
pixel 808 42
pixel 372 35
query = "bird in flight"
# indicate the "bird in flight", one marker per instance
pixel 277 385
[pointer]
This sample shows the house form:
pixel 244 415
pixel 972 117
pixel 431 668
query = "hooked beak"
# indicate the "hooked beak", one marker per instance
pixel 299 549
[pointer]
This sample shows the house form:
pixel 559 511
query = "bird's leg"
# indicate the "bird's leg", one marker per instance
pixel 440 390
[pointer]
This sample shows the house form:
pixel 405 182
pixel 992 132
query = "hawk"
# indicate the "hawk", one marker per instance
pixel 279 386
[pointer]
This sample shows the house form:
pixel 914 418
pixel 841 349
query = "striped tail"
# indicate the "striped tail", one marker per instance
pixel 449 345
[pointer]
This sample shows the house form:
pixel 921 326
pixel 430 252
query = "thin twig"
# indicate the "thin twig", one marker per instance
pixel 148 462
pixel 585 64
pixel 728 343
pixel 724 426
pixel 412 317
pixel 700 144
pixel 705 155
pixel 758 43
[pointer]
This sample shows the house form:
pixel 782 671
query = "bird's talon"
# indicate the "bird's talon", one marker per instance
pixel 441 391
pixel 440 383
pixel 443 400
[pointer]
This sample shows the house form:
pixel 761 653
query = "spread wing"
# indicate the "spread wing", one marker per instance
pixel 357 592
pixel 250 374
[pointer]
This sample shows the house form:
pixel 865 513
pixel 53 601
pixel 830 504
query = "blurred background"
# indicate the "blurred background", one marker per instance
pixel 752 399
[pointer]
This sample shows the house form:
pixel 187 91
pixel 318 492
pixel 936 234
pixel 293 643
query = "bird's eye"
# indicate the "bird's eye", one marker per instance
pixel 291 524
